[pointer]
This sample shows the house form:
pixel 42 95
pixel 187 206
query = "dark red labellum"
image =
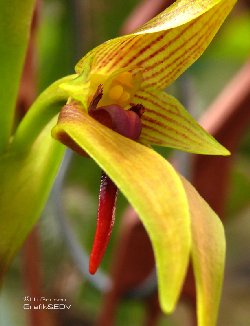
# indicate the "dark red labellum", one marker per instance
pixel 126 123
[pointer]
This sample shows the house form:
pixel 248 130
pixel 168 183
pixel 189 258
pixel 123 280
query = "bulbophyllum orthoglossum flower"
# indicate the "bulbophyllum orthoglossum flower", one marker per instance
pixel 117 108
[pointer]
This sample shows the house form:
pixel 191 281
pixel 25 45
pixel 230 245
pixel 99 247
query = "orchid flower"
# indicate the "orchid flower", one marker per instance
pixel 116 109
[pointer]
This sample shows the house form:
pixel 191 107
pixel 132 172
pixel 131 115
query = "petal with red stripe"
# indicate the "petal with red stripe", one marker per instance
pixel 165 46
pixel 166 123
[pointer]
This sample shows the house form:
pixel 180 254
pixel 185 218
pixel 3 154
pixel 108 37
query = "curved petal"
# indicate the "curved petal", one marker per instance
pixel 151 185
pixel 167 123
pixel 208 256
pixel 179 13
pixel 167 45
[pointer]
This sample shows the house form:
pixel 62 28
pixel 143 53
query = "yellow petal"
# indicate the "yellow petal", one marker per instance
pixel 167 123
pixel 167 45
pixel 151 185
pixel 208 256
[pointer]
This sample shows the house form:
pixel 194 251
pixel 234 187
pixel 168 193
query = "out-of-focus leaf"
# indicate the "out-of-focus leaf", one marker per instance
pixel 233 43
pixel 15 20
pixel 26 179
pixel 239 195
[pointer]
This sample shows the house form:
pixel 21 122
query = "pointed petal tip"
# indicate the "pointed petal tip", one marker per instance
pixel 219 150
pixel 215 147
pixel 167 123
pixel 168 307
pixel 226 153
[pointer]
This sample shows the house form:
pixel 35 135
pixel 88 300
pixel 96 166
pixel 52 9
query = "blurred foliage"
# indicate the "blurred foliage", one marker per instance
pixel 240 188
pixel 67 30
pixel 55 42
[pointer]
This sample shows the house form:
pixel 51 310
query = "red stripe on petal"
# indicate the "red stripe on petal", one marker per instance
pixel 164 117
pixel 148 46
pixel 166 127
pixel 114 52
pixel 163 48
pixel 178 63
pixel 151 126
pixel 122 55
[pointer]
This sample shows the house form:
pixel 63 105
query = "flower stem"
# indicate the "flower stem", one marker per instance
pixel 105 221
pixel 45 107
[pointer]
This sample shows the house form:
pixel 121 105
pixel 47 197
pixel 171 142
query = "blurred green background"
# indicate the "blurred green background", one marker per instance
pixel 67 30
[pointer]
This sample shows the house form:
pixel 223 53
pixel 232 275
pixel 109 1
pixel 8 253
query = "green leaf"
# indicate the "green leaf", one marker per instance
pixel 26 179
pixel 28 170
pixel 15 20
pixel 151 185
pixel 208 256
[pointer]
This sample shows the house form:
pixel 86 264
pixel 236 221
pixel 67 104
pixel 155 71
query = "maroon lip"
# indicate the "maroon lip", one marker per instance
pixel 126 123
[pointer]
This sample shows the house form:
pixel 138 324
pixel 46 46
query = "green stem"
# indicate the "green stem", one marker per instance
pixel 45 107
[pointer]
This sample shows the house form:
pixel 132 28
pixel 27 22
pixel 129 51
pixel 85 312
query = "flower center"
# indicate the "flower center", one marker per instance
pixel 118 88
pixel 124 122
